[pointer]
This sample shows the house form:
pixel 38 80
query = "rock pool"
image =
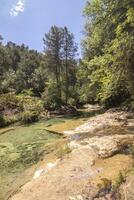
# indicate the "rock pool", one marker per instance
pixel 20 148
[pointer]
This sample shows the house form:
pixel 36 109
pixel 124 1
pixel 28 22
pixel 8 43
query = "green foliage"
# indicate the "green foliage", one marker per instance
pixel 119 180
pixel 31 103
pixel 28 72
pixel 7 120
pixel 72 101
pixel 60 51
pixel 50 98
pixel 21 69
pixel 132 151
pixel 20 108
pixel 105 74
pixel 2 120
pixel 27 93
pixel 10 101
pixel 20 102
pixel 29 117
pixel 108 47
pixel 10 120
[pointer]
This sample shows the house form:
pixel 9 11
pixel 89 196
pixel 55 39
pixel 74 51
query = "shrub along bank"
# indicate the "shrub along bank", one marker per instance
pixel 14 108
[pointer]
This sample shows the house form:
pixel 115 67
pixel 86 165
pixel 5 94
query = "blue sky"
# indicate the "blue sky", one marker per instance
pixel 26 21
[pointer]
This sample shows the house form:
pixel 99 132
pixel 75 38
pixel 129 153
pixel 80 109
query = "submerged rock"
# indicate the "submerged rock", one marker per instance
pixel 14 156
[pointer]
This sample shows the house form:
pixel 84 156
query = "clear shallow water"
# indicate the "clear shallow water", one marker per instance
pixel 20 148
pixel 23 146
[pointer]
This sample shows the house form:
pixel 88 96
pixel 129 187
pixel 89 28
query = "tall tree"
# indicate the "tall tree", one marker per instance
pixel 69 52
pixel 30 62
pixel 53 52
pixel 14 54
pixel 1 39
pixel 4 63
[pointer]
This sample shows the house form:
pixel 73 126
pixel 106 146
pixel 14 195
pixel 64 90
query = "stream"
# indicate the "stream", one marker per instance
pixel 23 147
pixel 20 148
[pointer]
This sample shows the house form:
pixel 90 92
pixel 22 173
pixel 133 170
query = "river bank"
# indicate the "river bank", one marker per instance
pixel 99 156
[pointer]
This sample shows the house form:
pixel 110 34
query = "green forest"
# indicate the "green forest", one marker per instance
pixel 32 84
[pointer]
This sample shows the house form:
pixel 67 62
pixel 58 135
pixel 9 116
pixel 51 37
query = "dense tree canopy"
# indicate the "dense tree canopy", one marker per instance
pixel 108 49
pixel 50 75
pixel 19 68
pixel 60 50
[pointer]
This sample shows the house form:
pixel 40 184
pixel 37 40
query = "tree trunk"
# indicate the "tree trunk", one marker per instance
pixel 66 77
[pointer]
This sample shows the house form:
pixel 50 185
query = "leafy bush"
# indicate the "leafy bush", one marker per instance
pixel 29 117
pixel 10 101
pixel 10 120
pixel 51 96
pixel 27 92
pixel 72 102
pixel 19 108
pixel 6 120
pixel 51 102
pixel 2 120
pixel 31 103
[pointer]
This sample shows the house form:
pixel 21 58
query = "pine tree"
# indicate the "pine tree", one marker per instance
pixel 69 52
pixel 52 48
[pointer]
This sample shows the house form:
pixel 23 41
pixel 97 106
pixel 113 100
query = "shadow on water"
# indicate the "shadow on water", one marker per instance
pixel 83 114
